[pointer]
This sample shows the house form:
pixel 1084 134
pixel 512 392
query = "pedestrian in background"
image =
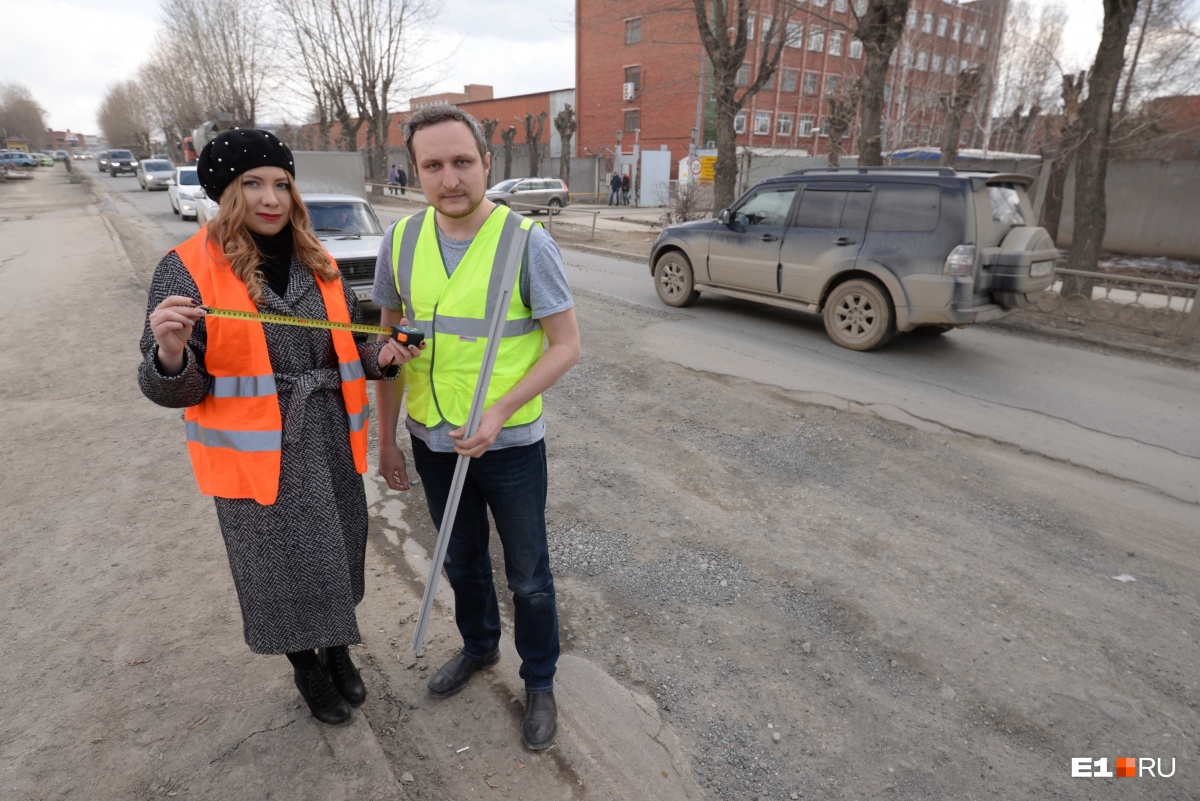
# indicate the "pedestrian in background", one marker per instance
pixel 437 268
pixel 393 180
pixel 614 195
pixel 402 179
pixel 276 416
pixel 625 190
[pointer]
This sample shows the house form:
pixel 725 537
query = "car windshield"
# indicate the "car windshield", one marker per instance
pixel 156 166
pixel 506 186
pixel 120 154
pixel 188 178
pixel 350 219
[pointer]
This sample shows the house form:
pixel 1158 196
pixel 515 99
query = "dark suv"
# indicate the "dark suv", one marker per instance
pixel 120 161
pixel 875 250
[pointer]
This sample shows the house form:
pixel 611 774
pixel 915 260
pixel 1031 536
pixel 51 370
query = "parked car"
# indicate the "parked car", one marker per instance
pixel 101 160
pixel 350 231
pixel 43 159
pixel 875 250
pixel 121 161
pixel 531 192
pixel 17 158
pixel 61 155
pixel 183 191
pixel 155 174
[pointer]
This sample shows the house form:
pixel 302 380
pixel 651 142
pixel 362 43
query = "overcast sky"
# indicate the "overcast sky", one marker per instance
pixel 68 52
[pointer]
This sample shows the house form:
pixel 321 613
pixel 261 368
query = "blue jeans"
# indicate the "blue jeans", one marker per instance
pixel 614 197
pixel 512 483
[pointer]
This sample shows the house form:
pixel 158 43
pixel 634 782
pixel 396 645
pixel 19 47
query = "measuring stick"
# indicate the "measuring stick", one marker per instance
pixel 499 313
pixel 403 334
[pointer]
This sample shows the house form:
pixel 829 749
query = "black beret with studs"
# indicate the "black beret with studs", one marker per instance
pixel 235 151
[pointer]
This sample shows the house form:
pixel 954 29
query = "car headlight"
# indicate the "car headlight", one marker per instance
pixel 133 163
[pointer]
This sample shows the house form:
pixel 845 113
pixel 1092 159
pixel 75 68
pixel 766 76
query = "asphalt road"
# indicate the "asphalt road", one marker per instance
pixel 1118 416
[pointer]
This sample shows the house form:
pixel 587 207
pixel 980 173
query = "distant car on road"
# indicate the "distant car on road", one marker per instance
pixel 61 155
pixel 155 174
pixel 528 192
pixel 101 160
pixel 183 191
pixel 875 250
pixel 16 158
pixel 121 161
pixel 43 159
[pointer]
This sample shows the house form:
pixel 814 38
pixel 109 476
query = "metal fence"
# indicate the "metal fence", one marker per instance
pixel 1167 308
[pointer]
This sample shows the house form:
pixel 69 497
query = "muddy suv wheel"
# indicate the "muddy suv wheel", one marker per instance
pixel 674 280
pixel 859 315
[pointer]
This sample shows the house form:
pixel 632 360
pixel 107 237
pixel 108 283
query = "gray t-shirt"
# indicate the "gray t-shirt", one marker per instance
pixel 543 287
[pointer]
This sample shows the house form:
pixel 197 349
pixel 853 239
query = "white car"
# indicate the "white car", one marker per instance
pixel 184 191
pixel 351 232
pixel 206 209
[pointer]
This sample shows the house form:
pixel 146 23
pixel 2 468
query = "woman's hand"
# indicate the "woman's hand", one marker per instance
pixel 395 353
pixel 171 323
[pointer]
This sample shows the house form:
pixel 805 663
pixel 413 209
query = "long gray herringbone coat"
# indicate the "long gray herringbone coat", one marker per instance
pixel 297 564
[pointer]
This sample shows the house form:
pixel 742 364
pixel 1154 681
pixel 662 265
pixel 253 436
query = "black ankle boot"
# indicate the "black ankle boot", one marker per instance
pixel 342 672
pixel 322 699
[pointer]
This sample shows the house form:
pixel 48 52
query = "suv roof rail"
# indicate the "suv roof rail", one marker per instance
pixel 879 168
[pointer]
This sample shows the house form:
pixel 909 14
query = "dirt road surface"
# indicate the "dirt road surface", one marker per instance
pixel 760 598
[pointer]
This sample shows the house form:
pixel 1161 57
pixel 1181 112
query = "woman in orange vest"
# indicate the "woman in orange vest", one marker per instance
pixel 276 416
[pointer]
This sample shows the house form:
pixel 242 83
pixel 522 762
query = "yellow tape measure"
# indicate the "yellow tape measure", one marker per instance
pixel 405 335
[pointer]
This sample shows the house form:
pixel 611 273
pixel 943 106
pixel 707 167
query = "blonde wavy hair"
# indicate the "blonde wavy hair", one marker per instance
pixel 229 232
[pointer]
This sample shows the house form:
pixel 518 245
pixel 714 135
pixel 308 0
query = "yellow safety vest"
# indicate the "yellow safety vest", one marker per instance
pixel 455 312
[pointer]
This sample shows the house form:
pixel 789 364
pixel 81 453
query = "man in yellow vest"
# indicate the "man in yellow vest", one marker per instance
pixel 438 270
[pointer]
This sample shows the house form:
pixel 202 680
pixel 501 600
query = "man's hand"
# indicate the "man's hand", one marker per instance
pixel 392 466
pixel 490 423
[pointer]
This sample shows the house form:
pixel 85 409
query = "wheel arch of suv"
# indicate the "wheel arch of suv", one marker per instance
pixel 881 274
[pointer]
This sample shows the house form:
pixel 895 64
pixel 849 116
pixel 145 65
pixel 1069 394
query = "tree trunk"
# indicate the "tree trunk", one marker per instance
pixel 880 30
pixel 725 178
pixel 1095 118
pixel 969 83
pixel 507 136
pixel 1068 141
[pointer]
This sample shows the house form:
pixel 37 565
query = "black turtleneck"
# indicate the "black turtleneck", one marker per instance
pixel 277 258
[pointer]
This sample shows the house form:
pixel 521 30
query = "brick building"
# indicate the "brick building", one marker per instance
pixel 65 140
pixel 640 65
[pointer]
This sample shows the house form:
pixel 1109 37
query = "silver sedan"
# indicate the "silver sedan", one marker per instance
pixel 155 174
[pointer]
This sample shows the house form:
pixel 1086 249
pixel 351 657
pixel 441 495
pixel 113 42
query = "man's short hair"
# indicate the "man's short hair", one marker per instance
pixel 432 115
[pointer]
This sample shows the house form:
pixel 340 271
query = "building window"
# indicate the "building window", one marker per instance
pixel 633 75
pixel 964 138
pixel 790 78
pixel 913 14
pixel 917 95
pixel 935 64
pixel 922 60
pixel 795 34
pixel 910 133
pixel 820 3
pixel 927 23
pixel 955 30
pixel 816 40
pixel 943 23
pixel 950 65
pixel 633 30
pixel 840 6
pixel 770 82
pixel 766 28
pixel 633 120
pixel 812 80
pixel 860 7
pixel 739 123
pixel 855 48
pixel 783 126
pixel 970 34
pixel 832 84
pixel 749 27
pixel 743 74
pixel 806 125
pixel 982 37
pixel 762 122
pixel 824 126
pixel 906 58
pixel 924 134
pixel 835 42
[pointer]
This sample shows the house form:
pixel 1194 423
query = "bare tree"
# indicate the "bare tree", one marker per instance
pixel 969 83
pixel 564 123
pixel 1095 121
pixel 879 28
pixel 508 136
pixel 533 135
pixel 1029 73
pixel 124 118
pixel 724 34
pixel 841 117
pixel 218 46
pixel 21 116
pixel 1064 152
pixel 170 94
pixel 489 131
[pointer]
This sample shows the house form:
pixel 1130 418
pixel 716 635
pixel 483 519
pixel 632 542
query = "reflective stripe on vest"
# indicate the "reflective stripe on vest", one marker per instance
pixel 457 310
pixel 235 434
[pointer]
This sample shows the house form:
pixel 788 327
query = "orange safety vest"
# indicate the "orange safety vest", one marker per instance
pixel 235 435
